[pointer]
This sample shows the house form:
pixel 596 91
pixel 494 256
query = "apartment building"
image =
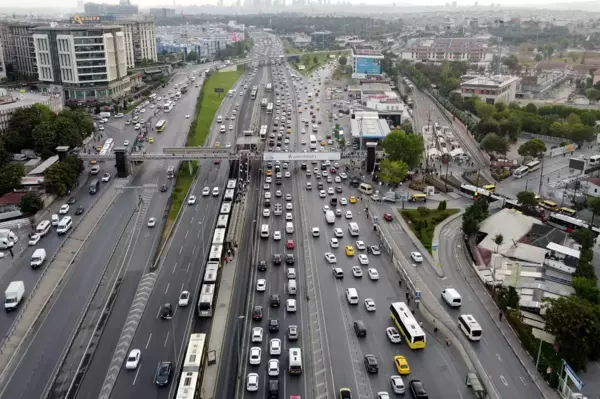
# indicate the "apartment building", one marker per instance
pixel 19 53
pixel 140 41
pixel 89 62
pixel 2 65
pixel 448 49
pixel 492 89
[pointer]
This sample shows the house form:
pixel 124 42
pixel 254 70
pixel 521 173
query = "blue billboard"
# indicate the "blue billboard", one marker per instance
pixel 368 66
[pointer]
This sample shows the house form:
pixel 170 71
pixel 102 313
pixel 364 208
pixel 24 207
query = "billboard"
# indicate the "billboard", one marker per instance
pixel 91 19
pixel 368 66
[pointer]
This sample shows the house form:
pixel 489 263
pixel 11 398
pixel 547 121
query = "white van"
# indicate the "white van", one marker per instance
pixel 353 229
pixel 55 220
pixel 291 287
pixel 470 327
pixel 65 225
pixel 38 257
pixel 452 297
pixel 330 217
pixel 289 227
pixel 365 188
pixel 352 296
pixel 264 231
pixel 43 228
pixel 223 130
pixel 219 119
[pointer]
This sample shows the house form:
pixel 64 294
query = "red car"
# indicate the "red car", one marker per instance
pixel 332 170
pixel 388 217
pixel 217 161
pixel 257 313
pixel 290 244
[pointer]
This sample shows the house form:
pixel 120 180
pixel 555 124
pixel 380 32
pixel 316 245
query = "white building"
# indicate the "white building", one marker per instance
pixel 492 89
pixel 366 63
pixel 140 41
pixel 10 101
pixel 448 49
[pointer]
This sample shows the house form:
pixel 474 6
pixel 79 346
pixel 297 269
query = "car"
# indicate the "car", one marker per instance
pixel 63 209
pixel 373 274
pixel 343 201
pixel 383 395
pixel 34 239
pixel 278 193
pixel 330 190
pixel 255 356
pixel 163 374
pixel 277 259
pixel 401 365
pixel 215 191
pixel 231 126
pixel 289 259
pixel 151 222
pixel 257 334
pixel 316 232
pixel 166 311
pixel 288 206
pixel 187 116
pixel 326 208
pixel 352 199
pixel 373 249
pixel 192 200
pixel 330 257
pixel 338 180
pixel 268 195
pixel 417 389
pixel 363 259
pixel 79 210
pixel 252 382
pixel 257 313
pixel 205 192
pixel 357 271
pixel 262 265
pixel 397 384
pixel 71 200
pixel 290 305
pixel 417 257
pixel 322 193
pixel 106 177
pixel 133 360
pixel 338 232
pixel 388 217
pixel 266 213
pixel 288 216
pixel 288 197
pixel 291 273
pixel 360 245
pixel 267 185
pixel 277 235
pixel 292 332
pixel 273 367
pixel 345 393
pixel 371 364
pixel 349 250
pixel 163 188
pixel 290 244
pixel 273 325
pixel 95 170
pixel 184 298
pixel 370 305
pixel 151 140
pixel 261 285
pixel 393 335
pixel 334 243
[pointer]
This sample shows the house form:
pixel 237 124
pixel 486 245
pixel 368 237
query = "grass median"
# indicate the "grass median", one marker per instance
pixel 313 61
pixel 422 221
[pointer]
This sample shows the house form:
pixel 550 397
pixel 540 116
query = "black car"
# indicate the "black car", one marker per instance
pixel 303 166
pixel 417 389
pixel 320 185
pixel 262 265
pixel 166 311
pixel 273 325
pixel 289 259
pixel 71 200
pixel 277 259
pixel 275 300
pixel 371 364
pixel 338 189
pixel 257 313
pixel 354 183
pixel 163 188
pixel 163 374
pixel 79 210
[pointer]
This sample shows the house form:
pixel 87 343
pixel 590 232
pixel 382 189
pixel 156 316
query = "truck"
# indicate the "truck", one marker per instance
pixel 390 196
pixel 330 217
pixel 13 295
pixel 105 114
pixel 8 239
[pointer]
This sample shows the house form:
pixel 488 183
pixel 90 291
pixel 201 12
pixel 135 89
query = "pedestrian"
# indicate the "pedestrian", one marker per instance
pixel 12 255
pixel 500 315
pixel 407 295
pixel 400 283
pixel 447 341
pixel 435 330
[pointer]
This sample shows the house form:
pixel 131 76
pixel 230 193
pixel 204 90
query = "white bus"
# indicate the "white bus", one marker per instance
pixel 107 147
pixel 269 87
pixel 168 106
pixel 160 126
pixel 470 327
pixel 569 223
pixel 216 251
pixel 264 102
pixel 211 273
pixel 190 383
pixel 219 237
pixel 533 165
pixel 263 132
pixel 408 325
pixel 520 171
pixel 270 108
pixel 229 195
pixel 313 142
pixel 206 300
pixel 295 361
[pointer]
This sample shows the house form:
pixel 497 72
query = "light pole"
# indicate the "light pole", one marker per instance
pixel 239 338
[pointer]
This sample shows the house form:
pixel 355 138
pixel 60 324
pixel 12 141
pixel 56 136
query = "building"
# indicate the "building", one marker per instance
pixel 19 52
pixel 11 101
pixel 322 40
pixel 2 65
pixel 89 62
pixel 162 12
pixel 140 42
pixel 448 49
pixel 301 41
pixel 123 10
pixel 368 126
pixel 537 84
pixel 492 89
pixel 366 64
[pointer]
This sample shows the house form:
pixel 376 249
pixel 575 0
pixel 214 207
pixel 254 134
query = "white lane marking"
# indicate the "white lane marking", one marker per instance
pixel 174 268
pixel 523 381
pixel 180 250
pixel 188 267
pixel 504 380
pixel 167 289
pixel 136 374
pixel 167 338
pixel 186 233
pixel 498 356
pixel 148 342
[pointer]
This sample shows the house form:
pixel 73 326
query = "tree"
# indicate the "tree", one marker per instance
pixel 61 177
pixel 343 60
pixel 485 110
pixel 407 148
pixel 18 135
pixel 594 205
pixel 474 214
pixel 10 177
pixel 44 139
pixel 592 94
pixel 538 57
pixel 573 119
pixel 527 199
pixel 392 172
pixel 532 148
pixel 586 288
pixel 31 204
pixel 498 240
pixel 192 56
pixel 406 126
pixel 315 60
pixel 493 143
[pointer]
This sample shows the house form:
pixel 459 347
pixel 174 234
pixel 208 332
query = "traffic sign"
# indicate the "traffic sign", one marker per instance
pixel 434 246
pixel 417 296
pixel 374 219
pixel 219 90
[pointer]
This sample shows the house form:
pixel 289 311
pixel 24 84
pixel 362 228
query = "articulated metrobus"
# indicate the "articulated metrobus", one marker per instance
pixel 190 383
pixel 408 325
pixel 160 126
pixel 263 132
pixel 569 224
pixel 270 108
pixel 269 87
pixel 313 142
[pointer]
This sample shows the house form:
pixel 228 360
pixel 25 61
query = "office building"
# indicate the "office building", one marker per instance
pixel 162 12
pixel 448 49
pixel 140 41
pixel 123 10
pixel 19 52
pixel 89 62
pixel 322 40
pixel 492 89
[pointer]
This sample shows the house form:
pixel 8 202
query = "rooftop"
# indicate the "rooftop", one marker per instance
pixel 369 126
pixel 41 168
pixel 491 81
pixel 17 99
pixel 366 52
pixel 78 27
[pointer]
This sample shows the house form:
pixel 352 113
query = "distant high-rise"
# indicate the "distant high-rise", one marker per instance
pixel 123 10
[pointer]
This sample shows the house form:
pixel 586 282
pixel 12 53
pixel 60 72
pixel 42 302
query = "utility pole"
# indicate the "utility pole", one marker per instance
pixel 541 175
pixel 425 143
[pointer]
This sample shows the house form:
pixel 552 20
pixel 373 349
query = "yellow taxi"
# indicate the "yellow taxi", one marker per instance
pixel 151 140
pixel 217 145
pixel 318 108
pixel 323 143
pixel 289 131
pixel 93 162
pixel 352 199
pixel 345 393
pixel 99 148
pixel 269 172
pixel 349 250
pixel 401 365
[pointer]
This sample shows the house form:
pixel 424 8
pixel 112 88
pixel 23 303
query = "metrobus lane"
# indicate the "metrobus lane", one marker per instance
pixel 437 366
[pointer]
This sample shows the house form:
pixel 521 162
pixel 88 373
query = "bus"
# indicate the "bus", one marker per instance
pixel 270 108
pixel 107 147
pixel 313 142
pixel 168 106
pixel 253 95
pixel 310 96
pixel 269 87
pixel 190 382
pixel 520 171
pixel 263 103
pixel 295 360
pixel 263 132
pixel 219 237
pixel 206 300
pixel 160 126
pixel 211 273
pixel 408 325
pixel 533 165
pixel 170 172
pixel 569 223
pixel 216 252
pixel 594 160
pixel 231 184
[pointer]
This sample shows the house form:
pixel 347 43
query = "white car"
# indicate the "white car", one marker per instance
pixel 275 347
pixel 337 179
pixel 252 382
pixel 363 259
pixel 64 209
pixel 370 305
pixel 303 141
pixel 151 222
pixel 316 232
pixel 268 195
pixel 268 180
pixel 290 305
pixel 343 201
pixel 383 395
pixel 255 352
pixel 133 360
pixel 416 256
pixel 257 334
pixel 357 271
pixel 330 190
pixel 287 175
pixel 273 368
pixel 278 193
pixel 215 191
pixel 277 235
pixel 126 143
pixel 184 298
pixel 261 285
pixel 288 197
pixel 266 212
pixel 326 208
pixel 348 214
pixel 230 127
pixel 334 242
pixel 374 249
pixel 373 274
pixel 338 232
pixel 192 200
pixel 360 245
pixel 289 206
pixel 288 216
pixel 330 257
pixel 291 273
pixel 397 384
pixel 187 115
pixel 227 145
pixel 106 177
pixel 206 191
pixel 393 335
pixel 34 239
pixel 322 194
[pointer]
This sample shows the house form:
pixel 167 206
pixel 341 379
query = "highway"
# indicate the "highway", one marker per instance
pixel 30 377
pixel 181 268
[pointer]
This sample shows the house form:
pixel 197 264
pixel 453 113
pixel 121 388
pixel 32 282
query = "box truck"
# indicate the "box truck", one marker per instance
pixel 13 295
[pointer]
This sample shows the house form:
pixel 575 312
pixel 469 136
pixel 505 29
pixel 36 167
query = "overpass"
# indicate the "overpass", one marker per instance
pixel 275 58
